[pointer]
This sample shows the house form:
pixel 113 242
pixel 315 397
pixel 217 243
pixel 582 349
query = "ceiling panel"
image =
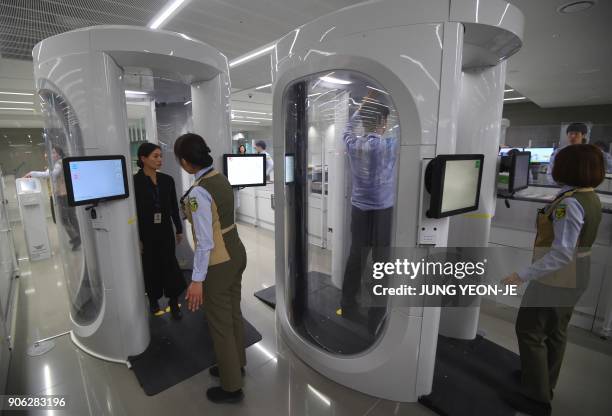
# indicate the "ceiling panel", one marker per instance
pixel 566 59
pixel 23 23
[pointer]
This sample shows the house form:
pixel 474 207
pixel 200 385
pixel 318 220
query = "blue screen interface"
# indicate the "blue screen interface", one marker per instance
pixel 97 179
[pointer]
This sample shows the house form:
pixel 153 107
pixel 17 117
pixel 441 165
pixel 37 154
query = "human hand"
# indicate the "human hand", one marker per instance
pixel 195 296
pixel 179 238
pixel 513 279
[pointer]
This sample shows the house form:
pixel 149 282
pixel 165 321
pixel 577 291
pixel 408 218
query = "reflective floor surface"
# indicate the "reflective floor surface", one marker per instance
pixel 277 382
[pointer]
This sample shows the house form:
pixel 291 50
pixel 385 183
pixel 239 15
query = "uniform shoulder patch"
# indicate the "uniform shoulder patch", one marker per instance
pixel 560 211
pixel 193 204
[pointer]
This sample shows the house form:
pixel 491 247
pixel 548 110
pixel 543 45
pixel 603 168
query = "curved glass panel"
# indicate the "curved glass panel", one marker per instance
pixel 342 141
pixel 63 138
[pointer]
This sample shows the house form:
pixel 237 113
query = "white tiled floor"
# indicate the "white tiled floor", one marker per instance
pixel 277 382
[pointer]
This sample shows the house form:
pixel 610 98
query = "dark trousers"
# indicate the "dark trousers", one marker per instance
pixel 370 230
pixel 222 294
pixel 542 337
pixel 162 274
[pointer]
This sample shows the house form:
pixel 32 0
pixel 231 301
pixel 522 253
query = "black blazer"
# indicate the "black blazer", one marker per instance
pixel 145 201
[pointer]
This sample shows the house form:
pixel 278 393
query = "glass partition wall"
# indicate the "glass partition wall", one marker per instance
pixel 342 141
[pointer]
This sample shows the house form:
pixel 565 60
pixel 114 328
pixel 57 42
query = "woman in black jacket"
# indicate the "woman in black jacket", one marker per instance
pixel 157 210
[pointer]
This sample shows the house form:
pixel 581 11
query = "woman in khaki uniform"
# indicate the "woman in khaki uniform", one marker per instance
pixel 559 275
pixel 219 261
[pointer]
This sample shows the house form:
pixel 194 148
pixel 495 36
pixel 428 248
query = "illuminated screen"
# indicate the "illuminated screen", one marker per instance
pixel 245 170
pixel 289 168
pixel 460 189
pixel 504 151
pixel 540 154
pixel 97 179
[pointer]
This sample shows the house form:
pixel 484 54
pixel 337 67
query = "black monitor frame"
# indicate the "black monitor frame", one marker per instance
pixel 94 201
pixel 434 183
pixel 226 155
pixel 512 171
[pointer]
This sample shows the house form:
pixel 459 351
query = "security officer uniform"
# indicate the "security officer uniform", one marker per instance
pixel 566 230
pixel 220 260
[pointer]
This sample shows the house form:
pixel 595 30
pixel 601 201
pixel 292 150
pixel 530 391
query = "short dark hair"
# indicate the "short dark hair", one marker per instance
pixel 580 165
pixel 59 150
pixel 578 128
pixel 144 150
pixel 193 148
pixel 261 143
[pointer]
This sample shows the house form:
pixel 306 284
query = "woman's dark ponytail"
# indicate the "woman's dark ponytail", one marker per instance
pixel 193 148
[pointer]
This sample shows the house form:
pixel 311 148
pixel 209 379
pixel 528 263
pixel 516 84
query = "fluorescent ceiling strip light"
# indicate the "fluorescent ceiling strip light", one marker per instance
pixel 249 112
pixel 515 98
pixel 376 89
pixel 131 92
pixel 165 13
pixel 187 102
pixel 16 93
pixel 509 90
pixel 334 80
pixel 251 56
pixel 245 121
pixel 17 109
pixel 261 87
pixel 17 102
pixel 259 118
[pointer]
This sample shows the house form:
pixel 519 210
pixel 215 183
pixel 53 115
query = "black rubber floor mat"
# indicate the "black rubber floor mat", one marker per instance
pixel 178 351
pixel 267 296
pixel 470 377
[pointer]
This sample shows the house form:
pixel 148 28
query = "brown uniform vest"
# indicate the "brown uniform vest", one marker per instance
pixel 222 209
pixel 570 275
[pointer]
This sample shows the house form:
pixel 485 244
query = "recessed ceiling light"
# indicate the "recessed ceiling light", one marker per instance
pixel 261 87
pixel 576 6
pixel 334 80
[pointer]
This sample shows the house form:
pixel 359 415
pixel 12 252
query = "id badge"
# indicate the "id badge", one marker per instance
pixel 157 218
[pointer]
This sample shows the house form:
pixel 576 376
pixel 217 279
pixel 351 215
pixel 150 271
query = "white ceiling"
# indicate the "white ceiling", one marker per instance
pixel 566 59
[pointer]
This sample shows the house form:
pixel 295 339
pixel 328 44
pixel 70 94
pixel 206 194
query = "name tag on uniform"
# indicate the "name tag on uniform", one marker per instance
pixel 157 218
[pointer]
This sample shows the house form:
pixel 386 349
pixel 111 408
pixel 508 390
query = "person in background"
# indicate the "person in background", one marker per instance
pixel 66 213
pixel 576 134
pixel 373 162
pixel 607 157
pixel 242 149
pixel 220 259
pixel 260 147
pixel 157 210
pixel 558 276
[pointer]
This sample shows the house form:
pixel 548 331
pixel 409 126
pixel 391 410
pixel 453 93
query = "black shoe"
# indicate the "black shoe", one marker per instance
pixel 175 309
pixel 528 406
pixel 218 395
pixel 154 307
pixel 214 371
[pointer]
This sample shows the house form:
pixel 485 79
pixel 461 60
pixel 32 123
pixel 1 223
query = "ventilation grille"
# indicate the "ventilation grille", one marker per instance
pixel 24 23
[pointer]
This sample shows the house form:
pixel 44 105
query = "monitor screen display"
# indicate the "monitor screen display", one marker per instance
pixel 28 185
pixel 519 172
pixel 460 189
pixel 245 170
pixel 505 150
pixel 91 179
pixel 289 168
pixel 540 154
pixel 453 182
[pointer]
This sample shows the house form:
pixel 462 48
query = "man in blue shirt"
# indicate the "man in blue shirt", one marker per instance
pixel 373 164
